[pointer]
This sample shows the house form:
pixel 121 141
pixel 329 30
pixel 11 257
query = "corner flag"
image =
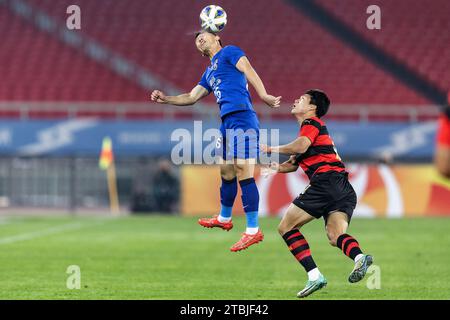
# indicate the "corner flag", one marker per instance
pixel 106 156
pixel 106 162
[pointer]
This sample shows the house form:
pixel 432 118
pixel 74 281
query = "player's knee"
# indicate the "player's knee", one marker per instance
pixel 227 173
pixel 240 171
pixel 243 169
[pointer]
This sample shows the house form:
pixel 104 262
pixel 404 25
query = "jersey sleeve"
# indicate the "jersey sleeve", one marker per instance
pixel 309 129
pixel 233 54
pixel 204 83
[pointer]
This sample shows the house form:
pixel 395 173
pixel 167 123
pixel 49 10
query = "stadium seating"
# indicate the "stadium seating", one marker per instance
pixel 289 51
pixel 36 67
pixel 413 31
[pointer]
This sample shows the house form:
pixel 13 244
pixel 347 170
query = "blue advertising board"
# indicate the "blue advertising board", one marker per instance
pixel 83 136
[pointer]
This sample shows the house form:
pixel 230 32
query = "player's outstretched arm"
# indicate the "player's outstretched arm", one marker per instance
pixel 185 99
pixel 244 66
pixel 299 145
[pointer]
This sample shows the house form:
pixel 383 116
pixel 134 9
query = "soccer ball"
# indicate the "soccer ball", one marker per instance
pixel 213 18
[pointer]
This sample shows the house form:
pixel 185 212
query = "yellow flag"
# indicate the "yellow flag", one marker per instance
pixel 106 156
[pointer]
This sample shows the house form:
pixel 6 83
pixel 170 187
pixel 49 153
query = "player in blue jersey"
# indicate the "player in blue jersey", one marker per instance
pixel 227 77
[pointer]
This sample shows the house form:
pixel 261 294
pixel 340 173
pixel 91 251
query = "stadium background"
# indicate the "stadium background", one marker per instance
pixel 63 91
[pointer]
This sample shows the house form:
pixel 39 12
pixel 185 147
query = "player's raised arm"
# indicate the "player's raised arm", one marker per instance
pixel 185 99
pixel 299 145
pixel 245 67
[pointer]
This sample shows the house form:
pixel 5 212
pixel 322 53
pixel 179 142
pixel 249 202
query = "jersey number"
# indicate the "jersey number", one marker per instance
pixel 217 93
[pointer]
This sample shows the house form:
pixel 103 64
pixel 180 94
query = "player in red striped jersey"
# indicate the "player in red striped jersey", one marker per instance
pixel 329 194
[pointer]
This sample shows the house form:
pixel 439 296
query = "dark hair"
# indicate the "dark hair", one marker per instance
pixel 203 31
pixel 320 100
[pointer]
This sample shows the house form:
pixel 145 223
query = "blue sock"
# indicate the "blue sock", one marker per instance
pixel 228 192
pixel 250 201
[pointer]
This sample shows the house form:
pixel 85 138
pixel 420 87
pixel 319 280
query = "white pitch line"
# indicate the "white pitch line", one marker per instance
pixel 43 233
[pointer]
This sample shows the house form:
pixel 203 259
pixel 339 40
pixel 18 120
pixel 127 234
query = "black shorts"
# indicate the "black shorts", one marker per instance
pixel 326 193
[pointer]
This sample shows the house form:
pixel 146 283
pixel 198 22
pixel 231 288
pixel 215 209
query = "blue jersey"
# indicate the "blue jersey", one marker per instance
pixel 227 82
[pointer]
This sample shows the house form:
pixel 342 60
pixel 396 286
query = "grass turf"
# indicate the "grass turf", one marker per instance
pixel 162 257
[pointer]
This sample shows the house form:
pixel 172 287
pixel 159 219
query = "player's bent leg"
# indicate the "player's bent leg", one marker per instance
pixel 228 192
pixel 288 228
pixel 337 224
pixel 244 169
pixel 227 171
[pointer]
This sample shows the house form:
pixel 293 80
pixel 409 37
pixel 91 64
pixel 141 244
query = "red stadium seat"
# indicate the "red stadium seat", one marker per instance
pixel 291 53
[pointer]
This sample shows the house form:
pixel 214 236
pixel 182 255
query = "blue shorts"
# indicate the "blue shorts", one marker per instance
pixel 240 136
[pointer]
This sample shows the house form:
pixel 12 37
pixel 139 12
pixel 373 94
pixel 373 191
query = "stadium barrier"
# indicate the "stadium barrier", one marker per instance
pixel 133 111
pixel 383 191
pixel 76 184
pixel 68 151
pixel 83 137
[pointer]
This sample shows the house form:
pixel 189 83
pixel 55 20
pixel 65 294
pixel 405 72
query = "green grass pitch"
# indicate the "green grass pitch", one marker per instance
pixel 168 257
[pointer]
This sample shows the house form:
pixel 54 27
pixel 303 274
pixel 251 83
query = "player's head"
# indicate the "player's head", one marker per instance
pixel 313 100
pixel 205 41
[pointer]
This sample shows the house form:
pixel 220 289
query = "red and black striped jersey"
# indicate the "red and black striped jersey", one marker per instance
pixel 321 155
